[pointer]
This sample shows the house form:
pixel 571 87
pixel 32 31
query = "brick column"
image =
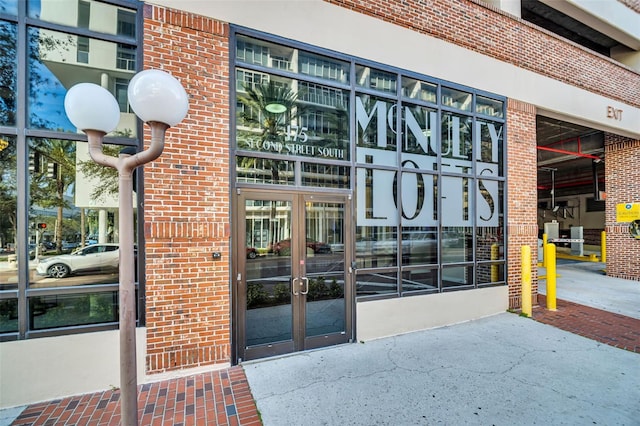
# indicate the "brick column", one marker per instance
pixel 522 226
pixel 186 198
pixel 622 184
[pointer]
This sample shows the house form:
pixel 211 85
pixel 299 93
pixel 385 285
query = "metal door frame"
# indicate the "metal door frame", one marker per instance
pixel 299 340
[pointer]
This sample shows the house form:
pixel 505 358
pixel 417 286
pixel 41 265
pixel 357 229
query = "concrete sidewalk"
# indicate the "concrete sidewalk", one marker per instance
pixel 499 370
pixel 503 369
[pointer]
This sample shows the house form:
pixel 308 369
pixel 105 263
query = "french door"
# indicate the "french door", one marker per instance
pixel 292 287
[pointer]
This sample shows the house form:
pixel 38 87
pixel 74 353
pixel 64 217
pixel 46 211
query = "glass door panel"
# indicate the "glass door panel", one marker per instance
pixel 325 272
pixel 292 287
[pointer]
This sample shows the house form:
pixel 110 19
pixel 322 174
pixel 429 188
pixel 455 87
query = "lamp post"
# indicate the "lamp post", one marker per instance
pixel 158 99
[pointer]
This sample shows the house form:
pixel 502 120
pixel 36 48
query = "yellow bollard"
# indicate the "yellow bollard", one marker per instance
pixel 550 256
pixel 495 269
pixel 525 259
pixel 603 247
pixel 544 254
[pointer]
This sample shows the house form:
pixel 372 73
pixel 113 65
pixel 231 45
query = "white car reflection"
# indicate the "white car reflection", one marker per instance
pixel 97 257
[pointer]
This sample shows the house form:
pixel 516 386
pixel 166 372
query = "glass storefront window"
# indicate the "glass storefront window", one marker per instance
pixel 376 134
pixel 376 284
pixel 9 7
pixel 8 315
pixel 490 107
pixel 67 238
pixel 8 74
pixel 376 246
pixel 263 170
pixel 420 280
pixel 457 244
pixel 418 206
pixel 420 128
pixel 90 14
pixel 457 276
pixel 291 117
pixel 8 214
pixel 490 273
pixel 372 78
pixel 490 221
pixel 73 215
pixel 284 58
pixel 57 62
pixel 419 90
pixel 419 245
pixel 490 154
pixel 325 176
pixel 456 99
pixel 456 133
pixel 53 311
pixel 436 200
pixel 323 67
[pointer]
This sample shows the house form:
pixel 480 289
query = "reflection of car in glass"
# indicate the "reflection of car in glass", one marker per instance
pixel 67 245
pixel 252 253
pixel 97 257
pixel 284 247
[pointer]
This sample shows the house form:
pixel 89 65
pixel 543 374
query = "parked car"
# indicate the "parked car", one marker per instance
pixel 97 257
pixel 252 253
pixel 284 247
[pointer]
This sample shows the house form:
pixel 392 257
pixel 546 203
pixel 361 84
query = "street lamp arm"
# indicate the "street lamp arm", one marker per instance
pixel 155 149
pixel 94 138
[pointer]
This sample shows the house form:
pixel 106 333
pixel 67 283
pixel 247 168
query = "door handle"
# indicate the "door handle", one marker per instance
pixel 305 280
pixel 293 287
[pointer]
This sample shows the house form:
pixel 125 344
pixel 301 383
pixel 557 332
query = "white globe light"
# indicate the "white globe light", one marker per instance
pixel 155 95
pixel 92 107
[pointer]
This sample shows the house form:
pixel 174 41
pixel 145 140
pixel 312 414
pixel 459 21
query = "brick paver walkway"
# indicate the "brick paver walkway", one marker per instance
pixel 215 398
pixel 223 397
pixel 606 327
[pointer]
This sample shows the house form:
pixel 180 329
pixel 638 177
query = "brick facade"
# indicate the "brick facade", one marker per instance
pixel 486 29
pixel 522 225
pixel 187 190
pixel 622 174
pixel 186 199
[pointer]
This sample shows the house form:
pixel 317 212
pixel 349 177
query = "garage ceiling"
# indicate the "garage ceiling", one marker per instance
pixel 567 164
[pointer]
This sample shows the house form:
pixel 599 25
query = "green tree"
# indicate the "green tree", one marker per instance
pixel 52 179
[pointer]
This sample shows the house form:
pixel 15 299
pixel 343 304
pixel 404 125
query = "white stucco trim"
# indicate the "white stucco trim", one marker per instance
pixel 389 317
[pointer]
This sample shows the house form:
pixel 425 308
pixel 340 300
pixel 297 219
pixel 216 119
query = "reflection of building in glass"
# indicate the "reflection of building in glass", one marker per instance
pixel 102 62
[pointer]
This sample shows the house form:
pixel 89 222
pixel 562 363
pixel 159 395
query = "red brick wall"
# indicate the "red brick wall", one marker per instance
pixel 483 28
pixel 522 225
pixel 622 184
pixel 187 198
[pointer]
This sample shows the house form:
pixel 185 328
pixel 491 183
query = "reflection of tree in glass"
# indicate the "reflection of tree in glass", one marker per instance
pixel 49 184
pixel 107 176
pixel 338 129
pixel 258 97
pixel 8 201
pixel 8 73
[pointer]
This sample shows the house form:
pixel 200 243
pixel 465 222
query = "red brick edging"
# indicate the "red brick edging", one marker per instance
pixel 219 397
pixel 606 327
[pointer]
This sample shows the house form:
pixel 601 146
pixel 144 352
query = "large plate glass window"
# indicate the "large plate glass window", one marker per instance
pixel 57 61
pixel 284 116
pixel 8 74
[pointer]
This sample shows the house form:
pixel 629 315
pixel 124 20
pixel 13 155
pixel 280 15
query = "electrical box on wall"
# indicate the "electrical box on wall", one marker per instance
pixel 216 255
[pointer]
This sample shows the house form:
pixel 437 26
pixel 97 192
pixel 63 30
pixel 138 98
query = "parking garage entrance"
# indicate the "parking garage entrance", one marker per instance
pixel 292 285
